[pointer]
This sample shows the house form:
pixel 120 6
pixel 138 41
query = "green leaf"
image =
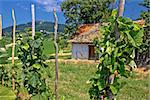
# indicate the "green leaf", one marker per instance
pixel 37 43
pixel 39 97
pixel 132 64
pixel 6 94
pixel 33 80
pixel 3 55
pixel 25 46
pixel 109 50
pixel 2 50
pixel 113 89
pixel 135 38
pixel 37 66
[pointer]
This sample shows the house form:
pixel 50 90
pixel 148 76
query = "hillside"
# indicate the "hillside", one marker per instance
pixel 40 25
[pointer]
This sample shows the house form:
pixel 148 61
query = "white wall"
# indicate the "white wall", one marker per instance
pixel 80 51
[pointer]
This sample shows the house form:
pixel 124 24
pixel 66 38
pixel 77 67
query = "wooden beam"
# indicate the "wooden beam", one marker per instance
pixel 33 21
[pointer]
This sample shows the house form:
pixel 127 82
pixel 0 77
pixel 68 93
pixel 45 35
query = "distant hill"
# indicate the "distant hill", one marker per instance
pixel 40 25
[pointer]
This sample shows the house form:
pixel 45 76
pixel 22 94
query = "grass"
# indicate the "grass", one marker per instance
pixel 135 88
pixel 73 86
pixel 72 80
pixel 48 47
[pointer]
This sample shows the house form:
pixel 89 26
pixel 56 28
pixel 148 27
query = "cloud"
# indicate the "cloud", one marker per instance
pixel 22 6
pixel 49 5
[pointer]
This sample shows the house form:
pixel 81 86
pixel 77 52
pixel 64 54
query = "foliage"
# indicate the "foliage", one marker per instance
pixel 62 40
pixel 79 12
pixel 3 52
pixel 146 3
pixel 48 47
pixel 6 94
pixel 115 55
pixel 34 69
pixel 4 55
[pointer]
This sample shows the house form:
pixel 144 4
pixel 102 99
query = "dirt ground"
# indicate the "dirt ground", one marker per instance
pixel 143 69
pixel 76 61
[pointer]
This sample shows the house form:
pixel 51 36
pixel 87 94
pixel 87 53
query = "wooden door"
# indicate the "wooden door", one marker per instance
pixel 91 52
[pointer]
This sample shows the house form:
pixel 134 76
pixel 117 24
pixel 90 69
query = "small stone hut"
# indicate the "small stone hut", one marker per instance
pixel 82 42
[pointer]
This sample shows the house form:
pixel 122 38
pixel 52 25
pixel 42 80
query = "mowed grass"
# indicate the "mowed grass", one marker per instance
pixel 73 83
pixel 48 47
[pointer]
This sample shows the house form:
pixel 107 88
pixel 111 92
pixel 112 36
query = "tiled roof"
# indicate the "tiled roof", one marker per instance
pixel 140 22
pixel 87 32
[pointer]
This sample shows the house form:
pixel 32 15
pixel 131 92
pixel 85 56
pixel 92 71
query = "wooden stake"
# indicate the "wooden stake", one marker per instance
pixel 56 54
pixel 0 27
pixel 121 7
pixel 120 13
pixel 13 49
pixel 2 76
pixel 33 21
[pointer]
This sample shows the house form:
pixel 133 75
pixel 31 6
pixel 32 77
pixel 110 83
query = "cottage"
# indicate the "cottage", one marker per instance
pixel 82 43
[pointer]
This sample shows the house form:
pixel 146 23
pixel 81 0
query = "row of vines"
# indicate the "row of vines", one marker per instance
pixel 29 75
pixel 116 53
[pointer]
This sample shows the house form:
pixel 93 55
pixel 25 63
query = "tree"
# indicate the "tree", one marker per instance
pixel 79 12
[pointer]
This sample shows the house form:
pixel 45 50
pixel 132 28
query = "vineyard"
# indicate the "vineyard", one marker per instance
pixel 38 65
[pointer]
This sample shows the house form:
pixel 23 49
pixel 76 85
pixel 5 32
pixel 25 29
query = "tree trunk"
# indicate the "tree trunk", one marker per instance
pixel 56 54
pixel 121 7
pixel 0 27
pixel 13 50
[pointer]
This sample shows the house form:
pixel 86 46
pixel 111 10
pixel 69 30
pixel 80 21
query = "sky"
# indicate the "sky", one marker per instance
pixel 44 8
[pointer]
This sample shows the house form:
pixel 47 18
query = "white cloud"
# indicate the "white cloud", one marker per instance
pixel 49 5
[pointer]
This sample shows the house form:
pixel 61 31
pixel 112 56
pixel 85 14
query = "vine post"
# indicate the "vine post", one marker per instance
pixel 120 13
pixel 121 7
pixel 0 39
pixel 13 49
pixel 0 27
pixel 33 20
pixel 56 53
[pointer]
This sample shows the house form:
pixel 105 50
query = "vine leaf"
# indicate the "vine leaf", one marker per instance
pixel 33 80
pixel 6 94
pixel 39 97
pixel 132 64
pixel 113 89
pixel 37 66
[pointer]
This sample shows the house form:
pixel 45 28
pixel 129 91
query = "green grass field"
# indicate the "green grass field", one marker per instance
pixel 48 47
pixel 73 86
